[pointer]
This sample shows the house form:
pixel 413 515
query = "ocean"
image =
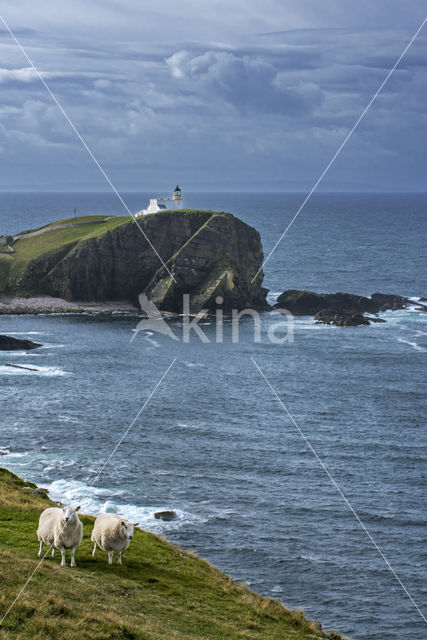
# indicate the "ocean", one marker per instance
pixel 215 444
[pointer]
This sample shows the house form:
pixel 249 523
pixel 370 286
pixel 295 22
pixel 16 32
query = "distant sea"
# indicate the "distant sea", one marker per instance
pixel 214 443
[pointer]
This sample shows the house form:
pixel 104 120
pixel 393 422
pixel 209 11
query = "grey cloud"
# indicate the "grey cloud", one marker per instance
pixel 247 82
pixel 160 85
pixel 28 74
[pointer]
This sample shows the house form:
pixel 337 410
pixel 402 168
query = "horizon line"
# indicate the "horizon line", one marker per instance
pixel 218 191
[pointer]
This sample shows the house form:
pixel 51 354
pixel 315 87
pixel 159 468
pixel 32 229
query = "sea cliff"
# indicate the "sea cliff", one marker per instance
pixel 207 254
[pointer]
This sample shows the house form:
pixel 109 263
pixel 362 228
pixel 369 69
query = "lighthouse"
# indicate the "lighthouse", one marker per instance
pixel 177 197
pixel 156 204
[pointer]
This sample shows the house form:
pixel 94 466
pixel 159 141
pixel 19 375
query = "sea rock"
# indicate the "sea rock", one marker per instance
pixel 308 303
pixel 7 343
pixel 390 301
pixel 340 318
pixel 165 515
pixel 209 255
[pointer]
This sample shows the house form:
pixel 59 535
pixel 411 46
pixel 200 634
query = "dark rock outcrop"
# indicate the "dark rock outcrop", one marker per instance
pixel 167 516
pixel 7 343
pixel 208 254
pixel 389 301
pixel 341 318
pixel 308 303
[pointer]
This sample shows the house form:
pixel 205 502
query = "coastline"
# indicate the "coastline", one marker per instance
pixel 43 305
pixel 48 305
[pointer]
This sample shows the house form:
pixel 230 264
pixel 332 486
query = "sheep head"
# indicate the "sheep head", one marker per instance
pixel 69 514
pixel 127 528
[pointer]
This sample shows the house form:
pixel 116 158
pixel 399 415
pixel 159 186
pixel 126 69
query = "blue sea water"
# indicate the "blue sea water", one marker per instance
pixel 215 444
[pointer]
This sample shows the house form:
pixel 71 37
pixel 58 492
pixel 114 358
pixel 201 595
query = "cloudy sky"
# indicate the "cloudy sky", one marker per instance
pixel 213 94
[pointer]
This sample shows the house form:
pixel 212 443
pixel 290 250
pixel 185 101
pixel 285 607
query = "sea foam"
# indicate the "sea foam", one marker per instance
pixel 97 500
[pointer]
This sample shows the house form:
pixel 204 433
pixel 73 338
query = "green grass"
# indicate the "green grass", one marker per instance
pixel 72 220
pixel 81 219
pixel 26 249
pixel 159 593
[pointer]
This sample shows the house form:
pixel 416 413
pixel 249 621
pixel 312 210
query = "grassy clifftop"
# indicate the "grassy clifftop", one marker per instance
pixel 160 592
pixel 52 237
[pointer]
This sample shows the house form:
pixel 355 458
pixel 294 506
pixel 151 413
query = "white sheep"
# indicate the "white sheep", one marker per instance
pixel 60 529
pixel 112 533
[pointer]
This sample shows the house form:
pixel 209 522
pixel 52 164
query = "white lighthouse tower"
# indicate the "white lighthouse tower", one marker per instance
pixel 177 197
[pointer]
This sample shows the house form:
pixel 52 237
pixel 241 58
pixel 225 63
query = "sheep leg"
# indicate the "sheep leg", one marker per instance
pixel 119 557
pixel 73 562
pixel 110 557
pixel 53 552
pixel 94 549
pixel 40 553
pixel 63 563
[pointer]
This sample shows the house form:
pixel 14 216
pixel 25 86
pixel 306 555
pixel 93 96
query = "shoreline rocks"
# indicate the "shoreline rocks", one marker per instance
pixel 39 305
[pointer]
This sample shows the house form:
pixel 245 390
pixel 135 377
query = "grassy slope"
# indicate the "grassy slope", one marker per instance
pixel 160 592
pixel 72 220
pixel 28 248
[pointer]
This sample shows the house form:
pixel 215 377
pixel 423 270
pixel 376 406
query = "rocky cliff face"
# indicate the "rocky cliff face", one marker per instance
pixel 209 255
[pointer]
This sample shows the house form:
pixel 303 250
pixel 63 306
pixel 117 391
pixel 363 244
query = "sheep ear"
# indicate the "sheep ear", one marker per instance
pixel 77 508
pixel 123 523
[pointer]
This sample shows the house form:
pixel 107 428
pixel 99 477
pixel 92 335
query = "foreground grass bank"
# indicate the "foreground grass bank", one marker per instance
pixel 160 592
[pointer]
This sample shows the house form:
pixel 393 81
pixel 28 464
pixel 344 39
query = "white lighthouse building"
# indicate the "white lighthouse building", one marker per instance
pixel 157 204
